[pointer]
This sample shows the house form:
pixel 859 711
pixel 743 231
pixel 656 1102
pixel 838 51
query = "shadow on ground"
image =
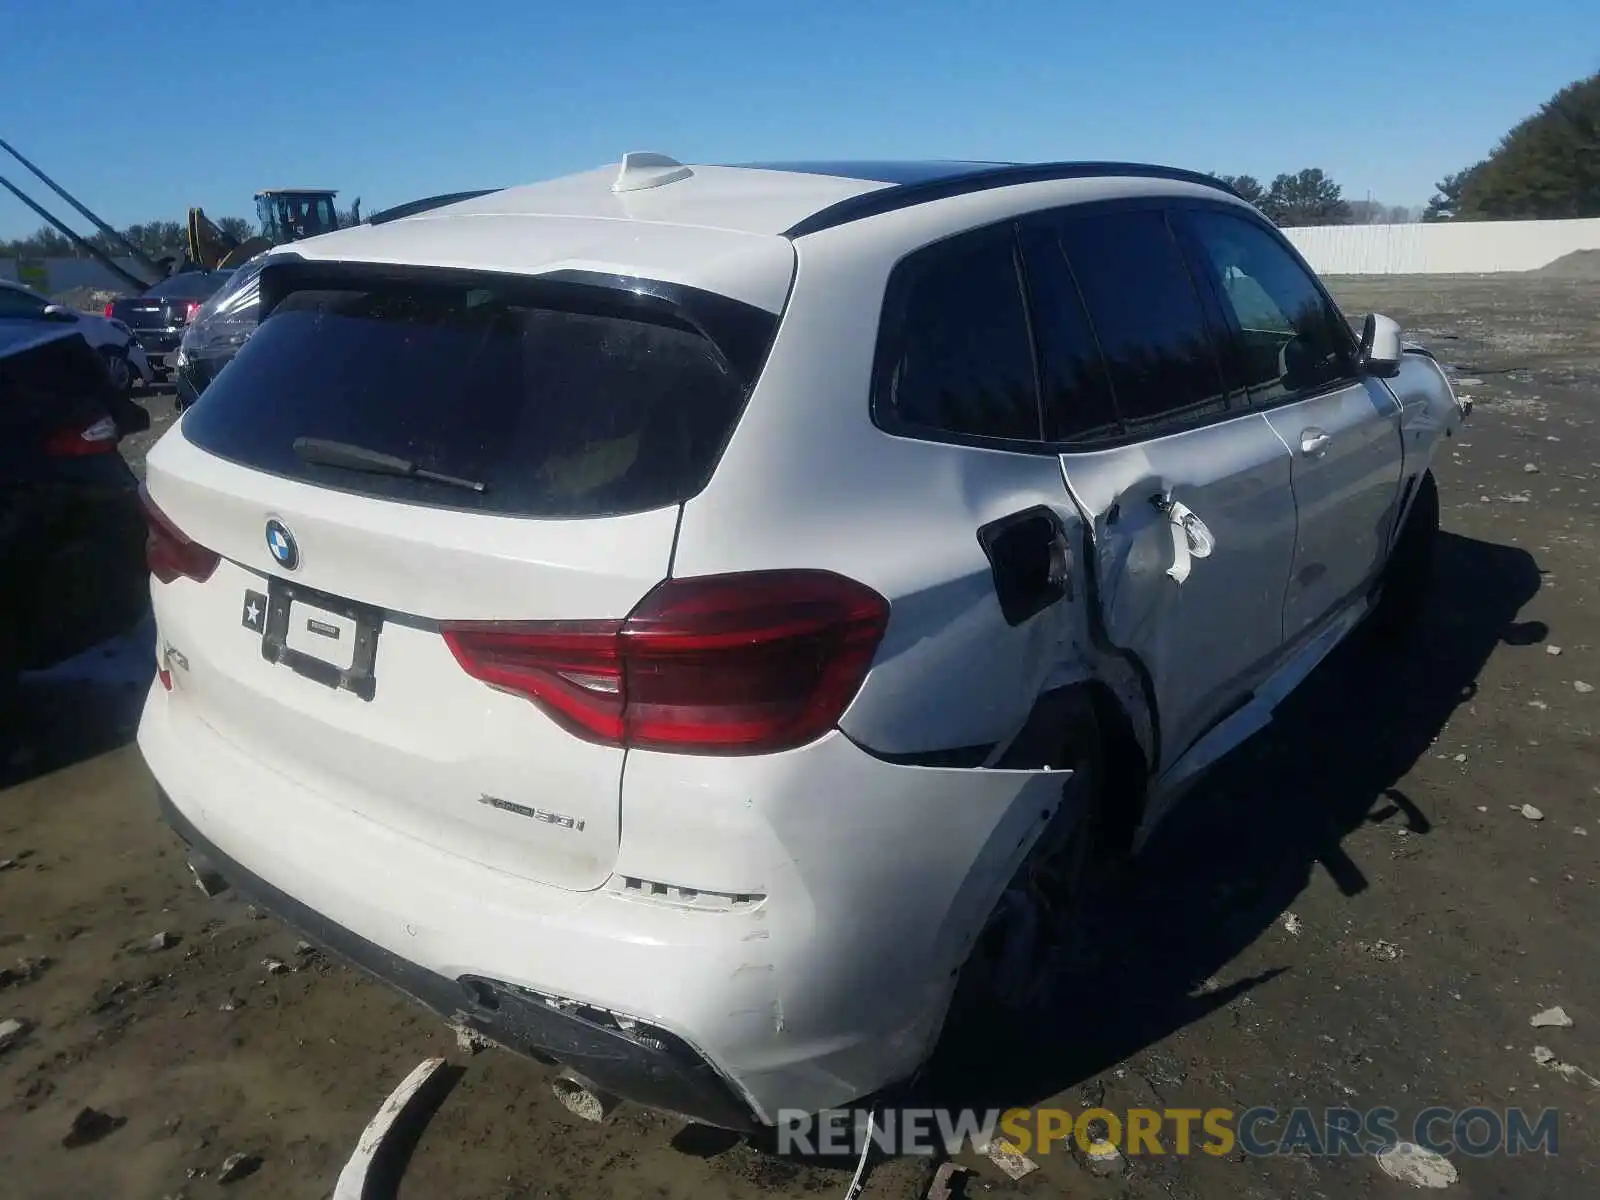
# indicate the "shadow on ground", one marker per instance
pixel 1245 843
pixel 78 709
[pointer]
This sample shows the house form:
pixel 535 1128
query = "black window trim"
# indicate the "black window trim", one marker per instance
pixel 985 178
pixel 1188 239
pixel 890 329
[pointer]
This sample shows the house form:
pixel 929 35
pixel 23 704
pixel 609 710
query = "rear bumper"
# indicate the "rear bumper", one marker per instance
pixel 779 931
pixel 648 1065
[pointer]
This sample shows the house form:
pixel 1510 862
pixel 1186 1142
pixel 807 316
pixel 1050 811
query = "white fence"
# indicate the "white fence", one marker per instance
pixel 1446 248
pixel 52 276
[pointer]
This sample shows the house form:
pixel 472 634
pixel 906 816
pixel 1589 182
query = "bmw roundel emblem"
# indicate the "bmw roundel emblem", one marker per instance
pixel 282 544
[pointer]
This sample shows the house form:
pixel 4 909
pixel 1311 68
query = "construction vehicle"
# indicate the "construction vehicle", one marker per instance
pixel 285 215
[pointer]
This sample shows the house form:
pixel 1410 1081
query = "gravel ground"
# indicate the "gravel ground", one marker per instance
pixel 1352 911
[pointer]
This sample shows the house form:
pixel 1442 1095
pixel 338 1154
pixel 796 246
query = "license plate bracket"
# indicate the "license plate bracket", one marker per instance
pixel 360 677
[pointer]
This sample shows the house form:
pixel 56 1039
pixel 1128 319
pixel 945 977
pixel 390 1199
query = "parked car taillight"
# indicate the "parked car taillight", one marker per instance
pixel 111 308
pixel 721 664
pixel 170 552
pixel 97 437
pixel 189 311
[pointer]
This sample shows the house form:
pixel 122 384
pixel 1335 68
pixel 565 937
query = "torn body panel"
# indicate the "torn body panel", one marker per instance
pixel 877 876
pixel 1430 414
pixel 1203 635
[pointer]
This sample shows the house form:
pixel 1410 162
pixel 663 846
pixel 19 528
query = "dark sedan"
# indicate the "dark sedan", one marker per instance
pixel 216 331
pixel 72 567
pixel 158 317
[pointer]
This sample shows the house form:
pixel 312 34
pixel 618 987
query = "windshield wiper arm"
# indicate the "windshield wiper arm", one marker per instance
pixel 358 458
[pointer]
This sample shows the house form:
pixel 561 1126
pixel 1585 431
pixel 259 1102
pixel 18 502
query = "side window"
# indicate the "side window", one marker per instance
pixel 957 357
pixel 1077 393
pixel 1292 339
pixel 1147 316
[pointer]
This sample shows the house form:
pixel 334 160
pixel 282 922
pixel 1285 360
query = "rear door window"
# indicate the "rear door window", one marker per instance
pixel 555 411
pixel 956 356
pixel 1292 339
pixel 1147 317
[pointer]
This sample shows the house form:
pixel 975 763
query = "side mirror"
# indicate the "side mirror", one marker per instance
pixel 55 312
pixel 1380 345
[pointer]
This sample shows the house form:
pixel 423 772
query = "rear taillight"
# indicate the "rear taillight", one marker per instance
pixel 721 664
pixel 111 309
pixel 190 310
pixel 170 552
pixel 98 437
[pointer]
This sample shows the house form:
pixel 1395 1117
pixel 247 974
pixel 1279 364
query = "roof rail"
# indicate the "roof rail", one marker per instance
pixel 890 199
pixel 642 169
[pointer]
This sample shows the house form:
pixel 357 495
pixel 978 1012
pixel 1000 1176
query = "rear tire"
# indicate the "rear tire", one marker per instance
pixel 1409 573
pixel 1057 873
pixel 119 369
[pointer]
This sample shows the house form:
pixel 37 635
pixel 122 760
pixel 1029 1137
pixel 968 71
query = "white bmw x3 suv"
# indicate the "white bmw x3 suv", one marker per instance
pixel 653 616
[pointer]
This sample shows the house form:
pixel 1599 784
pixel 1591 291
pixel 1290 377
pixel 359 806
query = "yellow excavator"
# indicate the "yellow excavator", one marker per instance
pixel 286 215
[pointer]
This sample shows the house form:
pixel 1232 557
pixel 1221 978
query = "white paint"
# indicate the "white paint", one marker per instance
pixel 1444 248
pixel 865 880
pixel 352 1183
pixel 1421 1168
pixel 1012 1161
pixel 1551 1017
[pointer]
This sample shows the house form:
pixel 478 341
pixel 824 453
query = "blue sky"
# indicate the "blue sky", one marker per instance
pixel 142 113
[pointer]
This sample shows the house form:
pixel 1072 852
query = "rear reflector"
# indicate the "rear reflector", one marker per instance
pixel 720 664
pixel 170 552
pixel 98 437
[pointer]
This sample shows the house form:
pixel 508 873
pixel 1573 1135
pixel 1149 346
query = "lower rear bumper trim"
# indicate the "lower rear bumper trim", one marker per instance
pixel 649 1066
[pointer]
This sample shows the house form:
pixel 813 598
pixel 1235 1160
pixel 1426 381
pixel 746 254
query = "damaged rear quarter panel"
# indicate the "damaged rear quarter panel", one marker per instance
pixel 1429 411
pixel 876 878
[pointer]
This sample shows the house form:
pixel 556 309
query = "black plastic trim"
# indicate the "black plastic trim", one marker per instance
pixel 951 757
pixel 1025 596
pixel 649 1066
pixel 908 195
pixel 742 333
pixel 427 204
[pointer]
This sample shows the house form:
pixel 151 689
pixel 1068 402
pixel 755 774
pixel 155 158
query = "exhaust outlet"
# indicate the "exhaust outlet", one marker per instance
pixel 582 1098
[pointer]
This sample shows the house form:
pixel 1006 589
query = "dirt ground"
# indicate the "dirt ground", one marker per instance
pixel 1352 911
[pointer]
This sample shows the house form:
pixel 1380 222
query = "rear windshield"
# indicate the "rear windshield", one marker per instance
pixel 191 285
pixel 549 411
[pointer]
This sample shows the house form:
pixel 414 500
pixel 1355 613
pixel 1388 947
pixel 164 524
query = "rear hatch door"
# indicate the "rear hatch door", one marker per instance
pixel 557 429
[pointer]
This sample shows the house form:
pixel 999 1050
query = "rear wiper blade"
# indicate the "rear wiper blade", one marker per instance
pixel 325 453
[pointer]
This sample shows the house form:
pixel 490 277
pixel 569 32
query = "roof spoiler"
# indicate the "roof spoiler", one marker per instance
pixel 428 204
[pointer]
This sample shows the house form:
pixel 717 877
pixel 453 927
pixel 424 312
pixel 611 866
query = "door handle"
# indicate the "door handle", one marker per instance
pixel 1314 442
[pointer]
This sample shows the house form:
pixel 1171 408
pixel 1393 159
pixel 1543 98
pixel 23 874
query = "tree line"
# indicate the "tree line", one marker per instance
pixel 1547 167
pixel 154 238
pixel 1310 197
